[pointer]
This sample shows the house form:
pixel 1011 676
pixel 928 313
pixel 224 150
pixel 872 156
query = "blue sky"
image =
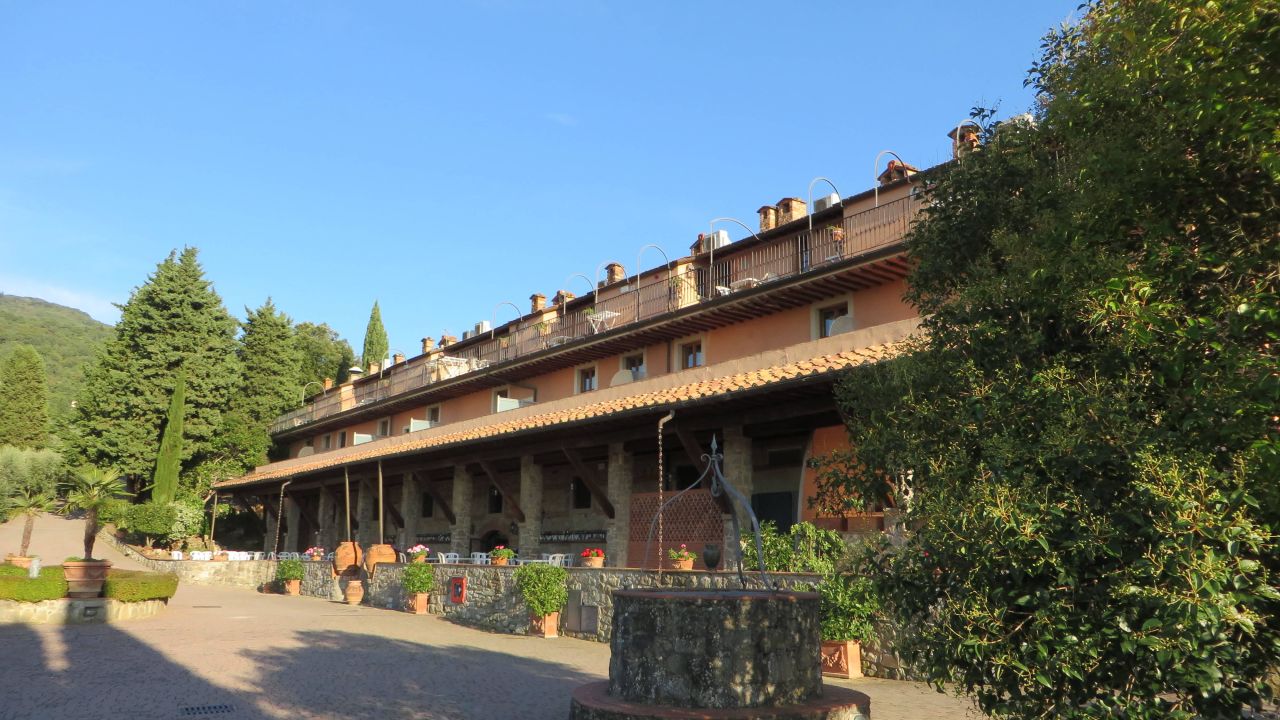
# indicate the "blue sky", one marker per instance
pixel 442 158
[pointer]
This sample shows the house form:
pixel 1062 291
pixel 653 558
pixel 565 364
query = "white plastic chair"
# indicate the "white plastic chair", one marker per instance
pixel 479 558
pixel 450 558
pixel 175 555
pixel 557 560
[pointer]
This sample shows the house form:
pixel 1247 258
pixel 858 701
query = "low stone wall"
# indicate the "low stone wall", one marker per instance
pixel 247 574
pixel 319 581
pixel 77 611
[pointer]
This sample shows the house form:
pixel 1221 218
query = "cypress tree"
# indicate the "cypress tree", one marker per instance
pixel 175 320
pixel 24 399
pixel 376 344
pixel 169 461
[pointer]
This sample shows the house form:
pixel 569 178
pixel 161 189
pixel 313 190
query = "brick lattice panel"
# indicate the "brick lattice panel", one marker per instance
pixel 694 520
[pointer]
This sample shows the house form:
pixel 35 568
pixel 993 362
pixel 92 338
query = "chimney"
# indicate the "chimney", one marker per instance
pixel 537 301
pixel 375 368
pixel 327 384
pixel 790 209
pixel 614 272
pixel 397 358
pixel 562 297
pixel 964 139
pixel 896 171
pixel 427 345
pixel 768 217
pixel 447 340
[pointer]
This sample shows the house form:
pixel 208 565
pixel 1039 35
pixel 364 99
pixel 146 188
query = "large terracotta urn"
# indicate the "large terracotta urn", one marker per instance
pixel 85 577
pixel 347 557
pixel 378 554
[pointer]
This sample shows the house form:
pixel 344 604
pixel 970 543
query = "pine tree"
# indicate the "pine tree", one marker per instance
pixel 175 320
pixel 169 462
pixel 270 359
pixel 376 344
pixel 24 399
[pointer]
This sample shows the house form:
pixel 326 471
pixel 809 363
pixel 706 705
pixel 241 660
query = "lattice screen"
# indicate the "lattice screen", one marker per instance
pixel 694 520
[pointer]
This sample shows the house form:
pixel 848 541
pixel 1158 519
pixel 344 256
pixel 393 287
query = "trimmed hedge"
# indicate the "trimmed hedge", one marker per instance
pixel 51 585
pixel 136 586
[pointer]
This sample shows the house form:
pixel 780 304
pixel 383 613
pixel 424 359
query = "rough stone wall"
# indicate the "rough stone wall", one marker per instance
pixel 248 574
pixel 77 611
pixel 319 581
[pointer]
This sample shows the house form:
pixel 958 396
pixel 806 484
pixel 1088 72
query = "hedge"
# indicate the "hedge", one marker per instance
pixel 136 586
pixel 51 585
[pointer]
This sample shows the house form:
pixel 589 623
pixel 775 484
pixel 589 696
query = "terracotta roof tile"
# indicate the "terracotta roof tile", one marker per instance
pixel 655 399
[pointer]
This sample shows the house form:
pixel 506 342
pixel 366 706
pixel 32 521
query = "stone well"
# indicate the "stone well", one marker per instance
pixel 736 653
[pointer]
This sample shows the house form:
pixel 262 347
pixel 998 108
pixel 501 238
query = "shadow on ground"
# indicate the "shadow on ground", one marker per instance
pixel 371 676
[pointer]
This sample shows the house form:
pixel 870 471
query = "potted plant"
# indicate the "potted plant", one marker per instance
pixel 29 504
pixel 419 553
pixel 545 591
pixel 419 581
pixel 501 555
pixel 316 553
pixel 849 605
pixel 289 574
pixel 353 590
pixel 91 489
pixel 593 557
pixel 681 558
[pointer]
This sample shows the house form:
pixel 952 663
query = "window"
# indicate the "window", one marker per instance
pixel 428 505
pixel 634 363
pixel 384 427
pixel 580 495
pixel 691 355
pixel 342 439
pixel 433 414
pixel 586 379
pixel 326 442
pixel 827 317
pixel 499 395
pixel 495 501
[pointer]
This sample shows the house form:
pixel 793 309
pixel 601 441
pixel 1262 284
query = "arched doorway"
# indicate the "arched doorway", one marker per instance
pixel 493 539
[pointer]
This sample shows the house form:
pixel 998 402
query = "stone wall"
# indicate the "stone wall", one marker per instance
pixel 247 574
pixel 77 611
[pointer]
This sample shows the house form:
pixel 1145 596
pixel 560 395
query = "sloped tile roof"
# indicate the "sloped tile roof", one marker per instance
pixel 715 388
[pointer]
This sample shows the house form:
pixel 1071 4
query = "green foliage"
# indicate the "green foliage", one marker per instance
pixel 24 399
pixel 322 354
pixel 169 462
pixel 545 588
pixel 1088 429
pixel 805 549
pixel 151 519
pixel 419 578
pixel 502 551
pixel 269 354
pixel 29 504
pixel 89 490
pixel 188 519
pixel 22 470
pixel 136 586
pixel 289 570
pixel 114 512
pixel 174 321
pixel 65 338
pixel 375 339
pixel 849 605
pixel 50 585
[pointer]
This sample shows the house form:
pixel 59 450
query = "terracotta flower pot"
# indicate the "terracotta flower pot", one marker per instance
pixel 378 554
pixel 292 587
pixel 842 658
pixel 419 558
pixel 85 577
pixel 547 626
pixel 686 564
pixel 347 558
pixel 593 562
pixel 418 603
pixel 354 592
pixel 22 561
pixel 498 561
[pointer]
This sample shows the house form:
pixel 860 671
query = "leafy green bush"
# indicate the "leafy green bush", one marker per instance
pixel 115 512
pixel 188 519
pixel 150 520
pixel 136 586
pixel 51 585
pixel 807 548
pixel 39 471
pixel 849 604
pixel 419 578
pixel 12 571
pixel 544 587
pixel 289 570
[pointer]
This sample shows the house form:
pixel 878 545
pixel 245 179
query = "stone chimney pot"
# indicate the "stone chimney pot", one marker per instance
pixel 768 217
pixel 397 358
pixel 614 273
pixel 327 384
pixel 562 297
pixel 537 301
pixel 428 344
pixel 791 209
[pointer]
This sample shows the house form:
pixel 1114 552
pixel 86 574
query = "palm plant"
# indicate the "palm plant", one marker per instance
pixel 29 504
pixel 90 490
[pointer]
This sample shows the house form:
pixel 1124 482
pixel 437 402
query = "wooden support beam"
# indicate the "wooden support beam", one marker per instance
pixel 591 478
pixel 396 517
pixel 438 498
pixel 341 503
pixel 261 520
pixel 306 513
pixel 509 498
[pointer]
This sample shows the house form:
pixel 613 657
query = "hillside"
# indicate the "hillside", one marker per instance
pixel 65 337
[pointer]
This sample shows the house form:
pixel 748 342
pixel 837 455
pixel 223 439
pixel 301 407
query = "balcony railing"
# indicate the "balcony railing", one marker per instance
pixel 686 285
